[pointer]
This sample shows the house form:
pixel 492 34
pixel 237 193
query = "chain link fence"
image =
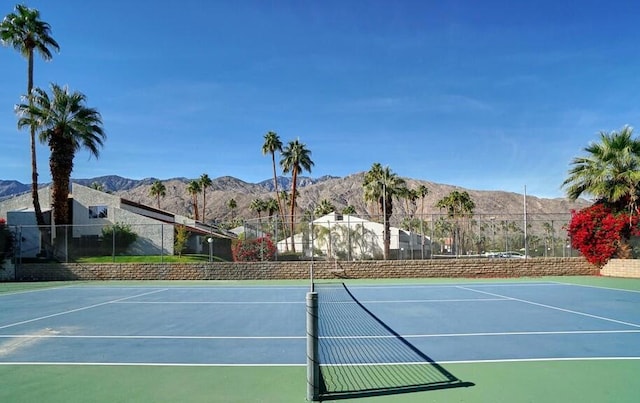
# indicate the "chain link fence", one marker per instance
pixel 331 237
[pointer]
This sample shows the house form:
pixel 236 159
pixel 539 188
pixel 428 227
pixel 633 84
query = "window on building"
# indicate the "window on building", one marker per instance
pixel 98 211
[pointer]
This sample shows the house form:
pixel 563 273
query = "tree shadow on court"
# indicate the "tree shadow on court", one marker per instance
pixel 361 356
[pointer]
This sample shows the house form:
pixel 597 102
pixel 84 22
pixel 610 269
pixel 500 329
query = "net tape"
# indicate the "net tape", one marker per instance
pixel 360 355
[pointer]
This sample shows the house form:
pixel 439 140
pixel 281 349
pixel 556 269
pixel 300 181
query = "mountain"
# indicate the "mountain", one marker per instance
pixel 339 191
pixel 8 188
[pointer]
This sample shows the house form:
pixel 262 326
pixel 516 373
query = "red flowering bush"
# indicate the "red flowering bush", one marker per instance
pixel 599 233
pixel 253 250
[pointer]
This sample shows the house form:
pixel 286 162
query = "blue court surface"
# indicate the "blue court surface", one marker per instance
pixel 265 324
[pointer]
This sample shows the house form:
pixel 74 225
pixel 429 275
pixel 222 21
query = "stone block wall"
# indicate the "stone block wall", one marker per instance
pixel 297 270
pixel 622 268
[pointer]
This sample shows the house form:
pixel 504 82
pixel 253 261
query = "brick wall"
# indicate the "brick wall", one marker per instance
pixel 622 268
pixel 460 268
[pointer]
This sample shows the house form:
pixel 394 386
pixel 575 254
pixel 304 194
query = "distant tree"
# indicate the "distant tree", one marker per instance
pixel 271 206
pixel 205 183
pixel 194 189
pixel 459 207
pixel 67 126
pixel 97 186
pixel 158 190
pixel 422 192
pixel 381 185
pixel 349 210
pixel 296 158
pixel 232 205
pixel 258 206
pixel 325 207
pixel 26 32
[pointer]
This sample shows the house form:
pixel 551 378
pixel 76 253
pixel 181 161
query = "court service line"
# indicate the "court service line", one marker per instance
pixel 555 308
pixel 79 309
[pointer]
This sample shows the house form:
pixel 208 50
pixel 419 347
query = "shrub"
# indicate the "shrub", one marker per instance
pixel 253 250
pixel 599 233
pixel 119 234
pixel 180 239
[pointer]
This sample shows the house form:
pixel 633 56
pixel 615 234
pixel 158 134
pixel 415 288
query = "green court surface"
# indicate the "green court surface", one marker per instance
pixel 579 380
pixel 517 382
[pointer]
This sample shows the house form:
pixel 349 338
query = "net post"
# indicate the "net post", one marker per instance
pixel 313 365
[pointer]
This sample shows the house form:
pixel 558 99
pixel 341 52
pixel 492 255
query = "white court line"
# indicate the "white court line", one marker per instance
pixel 484 334
pixel 555 308
pixel 143 364
pixel 303 302
pixel 599 287
pixel 150 337
pixel 155 364
pixel 213 302
pixel 79 309
pixel 357 337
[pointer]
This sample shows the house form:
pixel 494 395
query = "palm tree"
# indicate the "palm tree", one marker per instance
pixel 258 206
pixel 459 206
pixel 271 206
pixel 194 189
pixel 296 158
pixel 610 173
pixel 349 210
pixel 325 207
pixel 422 192
pixel 205 182
pixel 97 186
pixel 232 206
pixel 381 185
pixel 66 125
pixel 25 32
pixel 158 190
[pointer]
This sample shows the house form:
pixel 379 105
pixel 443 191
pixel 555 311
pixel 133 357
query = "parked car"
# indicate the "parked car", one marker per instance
pixel 516 255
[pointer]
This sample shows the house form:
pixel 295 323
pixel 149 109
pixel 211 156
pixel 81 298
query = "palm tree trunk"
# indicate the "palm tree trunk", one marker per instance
pixel 293 204
pixel 280 209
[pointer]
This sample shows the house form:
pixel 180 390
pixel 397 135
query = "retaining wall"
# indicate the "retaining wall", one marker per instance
pixel 622 268
pixel 454 268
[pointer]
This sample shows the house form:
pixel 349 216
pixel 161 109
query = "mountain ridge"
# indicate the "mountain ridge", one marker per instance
pixel 340 191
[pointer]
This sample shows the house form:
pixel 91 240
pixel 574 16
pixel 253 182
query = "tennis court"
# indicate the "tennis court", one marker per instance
pixel 523 340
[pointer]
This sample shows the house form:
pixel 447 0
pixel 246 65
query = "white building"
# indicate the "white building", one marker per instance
pixel 91 210
pixel 347 237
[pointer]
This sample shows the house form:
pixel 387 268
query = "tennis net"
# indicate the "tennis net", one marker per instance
pixel 359 355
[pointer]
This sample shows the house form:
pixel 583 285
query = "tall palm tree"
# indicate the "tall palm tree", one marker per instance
pixel 422 192
pixel 66 125
pixel 271 145
pixel 205 182
pixel 194 189
pixel 381 185
pixel 158 190
pixel 296 158
pixel 610 173
pixel 25 32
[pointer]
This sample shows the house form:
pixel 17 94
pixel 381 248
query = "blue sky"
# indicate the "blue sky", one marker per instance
pixel 491 95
